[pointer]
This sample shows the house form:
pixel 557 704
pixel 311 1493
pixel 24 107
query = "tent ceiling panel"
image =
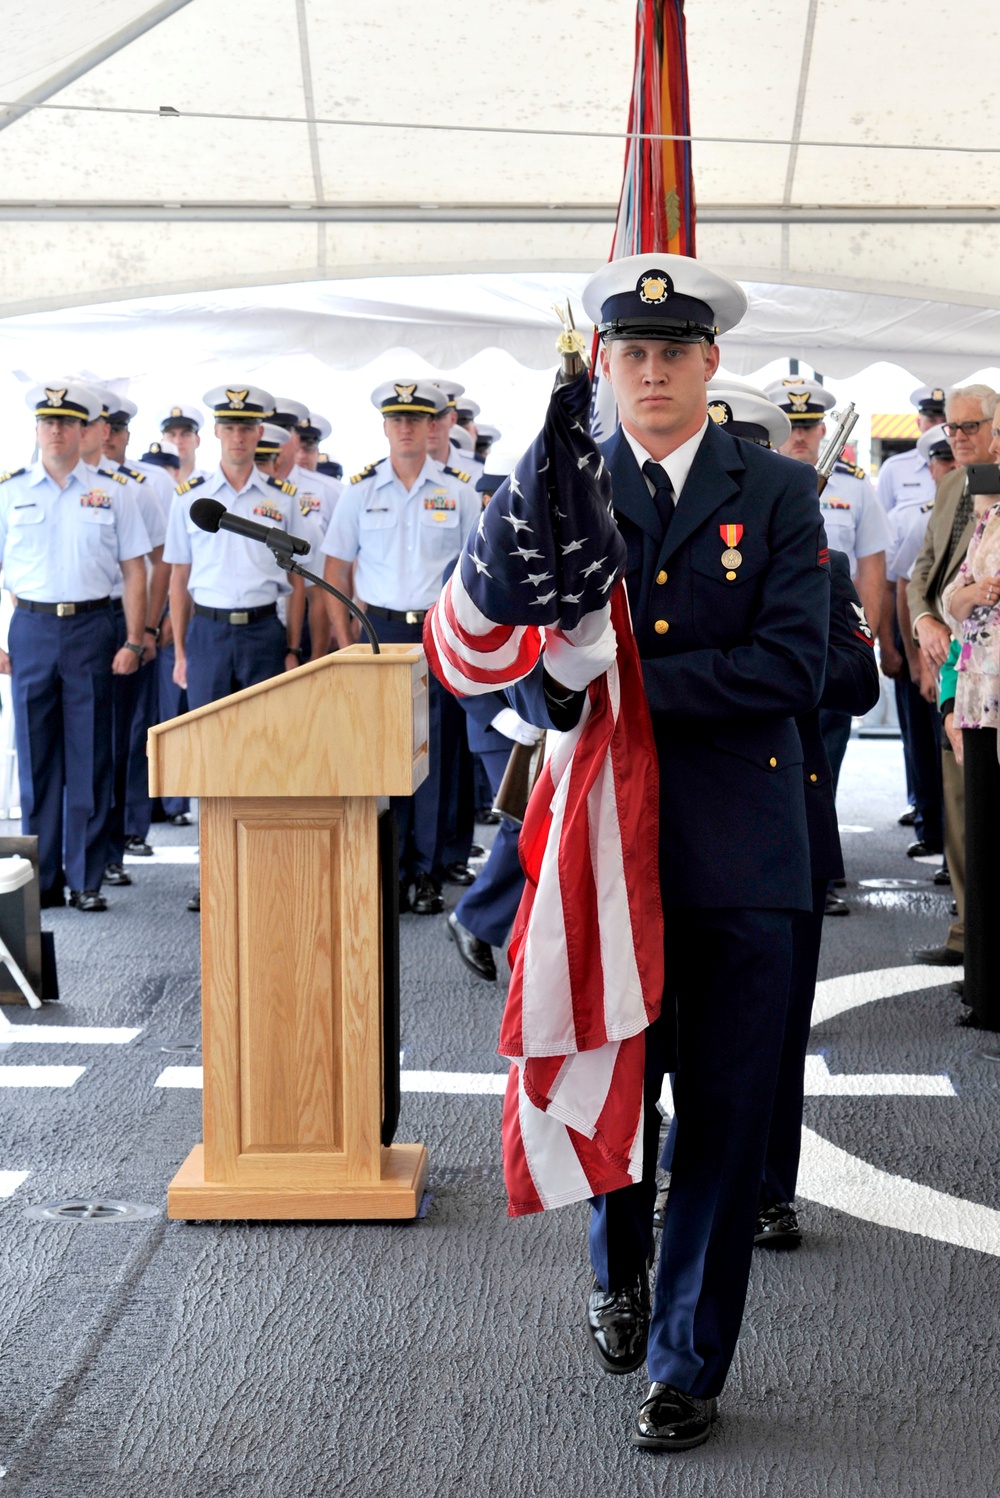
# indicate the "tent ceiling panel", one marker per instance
pixel 39 44
pixel 769 73
pixel 125 260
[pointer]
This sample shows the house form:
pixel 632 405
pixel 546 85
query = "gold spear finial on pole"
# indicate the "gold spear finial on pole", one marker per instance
pixel 571 345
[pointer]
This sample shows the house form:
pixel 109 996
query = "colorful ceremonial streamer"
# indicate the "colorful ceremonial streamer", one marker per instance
pixel 656 208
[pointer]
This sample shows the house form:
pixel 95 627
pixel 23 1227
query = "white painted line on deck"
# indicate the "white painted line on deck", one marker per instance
pixel 836 995
pixel 493 1084
pixel 181 1076
pixel 180 854
pixel 68 1035
pixel 820 1083
pixel 459 1083
pixel 834 1178
pixel 40 1076
pixel 854 827
pixel 11 1179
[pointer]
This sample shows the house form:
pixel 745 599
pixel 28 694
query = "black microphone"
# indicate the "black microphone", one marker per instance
pixel 210 515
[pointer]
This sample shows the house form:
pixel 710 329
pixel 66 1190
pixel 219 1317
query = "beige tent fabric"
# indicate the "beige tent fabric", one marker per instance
pixel 795 106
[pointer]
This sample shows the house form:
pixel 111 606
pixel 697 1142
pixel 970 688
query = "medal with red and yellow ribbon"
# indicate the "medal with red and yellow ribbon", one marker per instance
pixel 731 558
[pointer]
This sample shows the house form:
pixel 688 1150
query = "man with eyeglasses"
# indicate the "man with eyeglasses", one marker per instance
pixel 968 427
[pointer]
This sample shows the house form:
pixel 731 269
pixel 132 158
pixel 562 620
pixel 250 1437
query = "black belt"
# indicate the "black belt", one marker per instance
pixel 401 616
pixel 237 616
pixel 63 610
pixel 118 605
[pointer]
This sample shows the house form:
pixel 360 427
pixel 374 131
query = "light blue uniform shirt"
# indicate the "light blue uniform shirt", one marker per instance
pixel 145 501
pixel 316 496
pixel 908 524
pixel 855 521
pixel 904 479
pixel 162 481
pixel 403 541
pixel 227 571
pixel 65 545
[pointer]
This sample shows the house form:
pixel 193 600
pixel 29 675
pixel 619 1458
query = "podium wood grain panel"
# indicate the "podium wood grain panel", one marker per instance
pixel 290 998
pixel 291 936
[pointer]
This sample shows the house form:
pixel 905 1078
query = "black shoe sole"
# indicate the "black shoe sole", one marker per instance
pixel 781 1241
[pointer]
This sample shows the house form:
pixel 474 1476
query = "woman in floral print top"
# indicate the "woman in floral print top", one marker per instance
pixel 972 607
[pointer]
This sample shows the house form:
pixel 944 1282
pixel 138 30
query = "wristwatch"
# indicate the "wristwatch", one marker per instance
pixel 149 630
pixel 139 650
pixel 295 650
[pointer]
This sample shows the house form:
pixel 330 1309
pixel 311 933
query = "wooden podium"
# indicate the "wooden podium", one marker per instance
pixel 290 773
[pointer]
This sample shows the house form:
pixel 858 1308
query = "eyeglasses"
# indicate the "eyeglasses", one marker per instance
pixel 968 427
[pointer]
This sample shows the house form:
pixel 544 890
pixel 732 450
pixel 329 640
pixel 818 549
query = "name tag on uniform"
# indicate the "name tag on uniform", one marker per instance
pixel 308 505
pixel 29 506
pixel 268 512
pixel 95 499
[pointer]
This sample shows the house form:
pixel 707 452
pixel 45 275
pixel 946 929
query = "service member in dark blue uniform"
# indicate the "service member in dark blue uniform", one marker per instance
pixel 729 591
pixel 65 531
pixel 483 917
pixel 851 685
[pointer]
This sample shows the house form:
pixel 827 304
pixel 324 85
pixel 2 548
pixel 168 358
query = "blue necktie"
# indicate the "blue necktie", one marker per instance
pixel 663 492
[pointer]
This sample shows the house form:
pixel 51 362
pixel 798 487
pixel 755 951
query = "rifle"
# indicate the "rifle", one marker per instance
pixel 835 446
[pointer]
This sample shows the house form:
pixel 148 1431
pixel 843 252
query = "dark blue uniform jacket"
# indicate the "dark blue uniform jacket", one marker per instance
pixel 740 658
pixel 851 686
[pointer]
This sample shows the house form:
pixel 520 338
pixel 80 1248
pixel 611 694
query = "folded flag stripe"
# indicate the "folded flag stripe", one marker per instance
pixel 586 951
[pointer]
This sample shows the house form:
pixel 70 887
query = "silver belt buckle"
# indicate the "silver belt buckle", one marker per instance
pixel 412 616
pixel 65 610
pixel 240 617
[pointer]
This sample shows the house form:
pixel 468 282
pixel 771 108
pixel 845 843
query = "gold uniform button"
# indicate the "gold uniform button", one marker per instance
pixel 730 577
pixel 661 626
pixel 661 578
pixel 773 763
pixel 812 777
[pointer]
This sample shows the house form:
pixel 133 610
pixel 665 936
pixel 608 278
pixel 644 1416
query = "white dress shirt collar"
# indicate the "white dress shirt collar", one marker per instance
pixel 677 464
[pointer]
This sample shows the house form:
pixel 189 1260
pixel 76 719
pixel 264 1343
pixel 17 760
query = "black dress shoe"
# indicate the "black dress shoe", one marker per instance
pixel 777 1226
pixel 87 899
pixel 194 904
pixel 672 1421
pixel 487 817
pixel 909 817
pixel 835 905
pixel 969 1020
pixel 476 850
pixel 923 850
pixel 137 848
pixel 938 956
pixel 618 1325
pixel 458 873
pixel 180 819
pixel 957 988
pixel 52 899
pixel 838 883
pixel 942 876
pixel 115 874
pixel 427 898
pixel 476 954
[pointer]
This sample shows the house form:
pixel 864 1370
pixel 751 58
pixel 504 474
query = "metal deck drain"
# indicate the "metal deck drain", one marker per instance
pixel 80 1209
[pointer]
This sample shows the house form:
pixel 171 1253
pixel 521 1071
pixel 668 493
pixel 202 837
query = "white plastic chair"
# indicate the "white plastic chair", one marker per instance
pixel 15 872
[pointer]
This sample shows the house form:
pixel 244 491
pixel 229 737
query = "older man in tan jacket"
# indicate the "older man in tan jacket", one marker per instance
pixel 968 417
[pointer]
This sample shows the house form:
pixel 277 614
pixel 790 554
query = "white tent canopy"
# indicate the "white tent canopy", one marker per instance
pixel 835 146
pixel 446 320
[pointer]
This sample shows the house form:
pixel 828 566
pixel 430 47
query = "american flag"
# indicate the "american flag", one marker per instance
pixel 586 951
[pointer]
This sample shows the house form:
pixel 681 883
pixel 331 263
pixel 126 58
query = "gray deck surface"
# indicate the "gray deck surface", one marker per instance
pixel 447 1356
